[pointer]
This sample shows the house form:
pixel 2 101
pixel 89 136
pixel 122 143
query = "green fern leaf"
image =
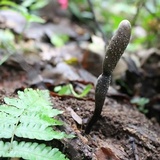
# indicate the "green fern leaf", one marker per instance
pixel 6 118
pixel 38 131
pixel 30 116
pixel 33 101
pixel 39 119
pixel 31 151
pixel 10 110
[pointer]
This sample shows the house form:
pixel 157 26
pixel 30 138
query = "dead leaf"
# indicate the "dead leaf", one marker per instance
pixel 75 116
pixel 105 153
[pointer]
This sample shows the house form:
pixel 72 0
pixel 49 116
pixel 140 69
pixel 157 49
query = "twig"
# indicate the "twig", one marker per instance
pixel 134 148
pixel 140 4
pixel 96 22
pixel 153 14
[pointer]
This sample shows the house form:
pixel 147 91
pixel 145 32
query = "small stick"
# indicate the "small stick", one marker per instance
pixel 96 22
pixel 134 148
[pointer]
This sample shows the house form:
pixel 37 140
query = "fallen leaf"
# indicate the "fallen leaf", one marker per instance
pixel 105 153
pixel 75 116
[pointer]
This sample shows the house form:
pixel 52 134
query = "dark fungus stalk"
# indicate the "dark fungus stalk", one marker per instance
pixel 114 51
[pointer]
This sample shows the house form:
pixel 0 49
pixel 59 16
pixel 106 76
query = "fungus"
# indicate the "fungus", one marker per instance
pixel 114 51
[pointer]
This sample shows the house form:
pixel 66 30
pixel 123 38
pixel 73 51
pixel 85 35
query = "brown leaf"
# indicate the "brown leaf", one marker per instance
pixel 105 153
pixel 75 116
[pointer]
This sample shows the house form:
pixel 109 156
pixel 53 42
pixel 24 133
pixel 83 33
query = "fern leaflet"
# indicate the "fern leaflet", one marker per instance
pixel 28 150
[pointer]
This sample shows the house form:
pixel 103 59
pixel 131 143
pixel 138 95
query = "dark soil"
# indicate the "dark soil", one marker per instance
pixel 121 133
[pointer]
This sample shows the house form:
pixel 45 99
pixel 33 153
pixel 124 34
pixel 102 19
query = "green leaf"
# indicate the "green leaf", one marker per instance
pixel 68 89
pixel 141 102
pixel 22 10
pixel 39 119
pixel 33 18
pixel 84 92
pixel 35 4
pixel 28 115
pixel 7 110
pixel 6 36
pixel 65 90
pixel 75 10
pixel 27 3
pixel 57 88
pixel 14 6
pixel 59 39
pixel 39 4
pixel 7 43
pixel 7 129
pixel 37 131
pixel 29 150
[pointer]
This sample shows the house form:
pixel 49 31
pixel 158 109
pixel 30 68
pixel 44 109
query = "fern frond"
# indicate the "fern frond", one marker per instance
pixel 34 128
pixel 38 131
pixel 30 116
pixel 28 150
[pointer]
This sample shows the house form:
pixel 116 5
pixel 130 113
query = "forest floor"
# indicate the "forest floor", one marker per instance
pixel 122 132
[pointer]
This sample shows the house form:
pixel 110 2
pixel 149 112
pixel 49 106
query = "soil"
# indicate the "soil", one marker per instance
pixel 121 133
